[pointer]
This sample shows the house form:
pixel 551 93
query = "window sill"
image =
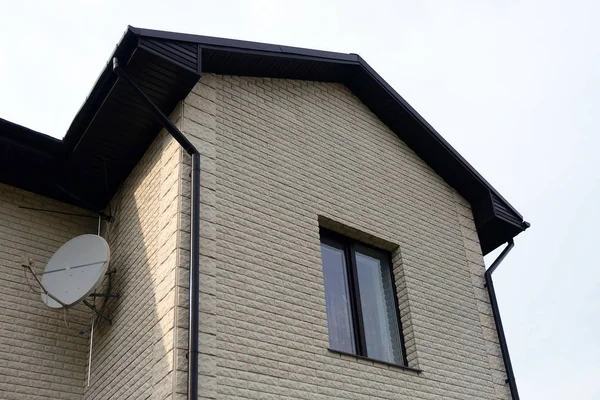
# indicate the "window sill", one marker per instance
pixel 404 367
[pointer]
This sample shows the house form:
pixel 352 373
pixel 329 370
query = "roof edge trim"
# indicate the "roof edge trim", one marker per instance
pixel 432 130
pixel 231 44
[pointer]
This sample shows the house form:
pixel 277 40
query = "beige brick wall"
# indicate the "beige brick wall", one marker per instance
pixel 134 358
pixel 279 158
pixel 200 128
pixel 39 357
pixel 277 155
pixel 477 268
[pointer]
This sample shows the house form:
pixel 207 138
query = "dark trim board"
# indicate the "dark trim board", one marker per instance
pixel 112 129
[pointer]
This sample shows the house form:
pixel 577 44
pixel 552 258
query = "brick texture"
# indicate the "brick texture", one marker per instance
pixel 198 122
pixel 477 268
pixel 280 157
pixel 134 357
pixel 40 358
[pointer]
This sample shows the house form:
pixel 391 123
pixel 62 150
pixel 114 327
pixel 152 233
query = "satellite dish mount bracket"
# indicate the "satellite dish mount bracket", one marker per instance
pixel 91 306
pixel 98 312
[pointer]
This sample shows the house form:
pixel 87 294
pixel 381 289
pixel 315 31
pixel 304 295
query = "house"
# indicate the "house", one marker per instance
pixel 335 239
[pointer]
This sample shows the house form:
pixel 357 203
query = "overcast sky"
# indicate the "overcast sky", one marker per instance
pixel 514 86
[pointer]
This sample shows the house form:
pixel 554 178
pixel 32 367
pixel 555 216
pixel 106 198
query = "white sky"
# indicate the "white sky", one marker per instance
pixel 513 85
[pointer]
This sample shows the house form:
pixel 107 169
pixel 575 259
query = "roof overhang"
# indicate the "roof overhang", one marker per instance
pixel 113 128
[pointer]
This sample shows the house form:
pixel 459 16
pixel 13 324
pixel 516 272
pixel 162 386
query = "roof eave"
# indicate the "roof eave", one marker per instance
pixel 484 198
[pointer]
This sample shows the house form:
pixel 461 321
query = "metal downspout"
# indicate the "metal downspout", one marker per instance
pixel 194 228
pixel 489 284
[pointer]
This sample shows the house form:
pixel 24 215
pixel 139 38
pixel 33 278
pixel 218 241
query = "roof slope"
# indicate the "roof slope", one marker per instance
pixel 113 129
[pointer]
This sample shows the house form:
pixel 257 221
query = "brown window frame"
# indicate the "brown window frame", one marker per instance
pixel 349 250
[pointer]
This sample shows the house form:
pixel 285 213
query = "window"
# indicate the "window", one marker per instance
pixel 362 313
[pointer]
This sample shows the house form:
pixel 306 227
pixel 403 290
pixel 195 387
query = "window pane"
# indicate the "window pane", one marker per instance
pixel 378 305
pixel 337 299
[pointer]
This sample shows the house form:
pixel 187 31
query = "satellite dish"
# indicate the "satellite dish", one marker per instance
pixel 75 270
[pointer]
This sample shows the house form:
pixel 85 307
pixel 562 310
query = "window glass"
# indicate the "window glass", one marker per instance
pixel 378 305
pixel 337 298
pixel 362 315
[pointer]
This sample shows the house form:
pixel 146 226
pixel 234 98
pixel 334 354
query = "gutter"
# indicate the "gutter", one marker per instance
pixel 193 330
pixel 489 284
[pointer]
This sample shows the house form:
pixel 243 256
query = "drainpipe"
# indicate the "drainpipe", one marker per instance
pixel 489 284
pixel 194 227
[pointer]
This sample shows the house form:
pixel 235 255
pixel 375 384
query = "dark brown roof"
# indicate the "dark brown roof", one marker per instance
pixel 113 128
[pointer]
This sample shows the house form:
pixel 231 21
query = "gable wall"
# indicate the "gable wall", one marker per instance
pixel 279 154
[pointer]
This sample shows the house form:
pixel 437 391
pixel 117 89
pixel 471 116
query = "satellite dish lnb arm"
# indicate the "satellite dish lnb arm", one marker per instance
pixel 42 286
